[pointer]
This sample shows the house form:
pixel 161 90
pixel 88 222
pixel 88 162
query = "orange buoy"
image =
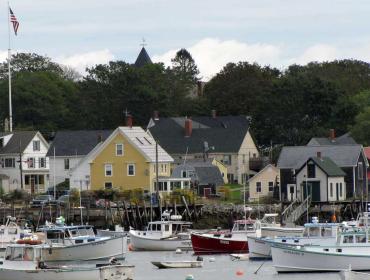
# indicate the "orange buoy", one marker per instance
pixel 130 247
pixel 240 272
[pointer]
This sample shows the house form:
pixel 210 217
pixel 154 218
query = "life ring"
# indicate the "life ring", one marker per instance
pixel 29 241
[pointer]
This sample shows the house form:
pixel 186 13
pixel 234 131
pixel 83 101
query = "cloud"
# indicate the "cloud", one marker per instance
pixel 211 55
pixel 82 60
pixel 319 53
pixel 3 55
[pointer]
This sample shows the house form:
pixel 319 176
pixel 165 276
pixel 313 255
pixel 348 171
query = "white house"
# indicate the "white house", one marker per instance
pixel 68 149
pixel 321 178
pixel 23 160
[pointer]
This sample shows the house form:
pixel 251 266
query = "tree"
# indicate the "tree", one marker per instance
pixel 184 67
pixel 361 130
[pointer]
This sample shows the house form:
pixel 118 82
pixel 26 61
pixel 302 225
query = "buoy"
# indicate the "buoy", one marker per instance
pixel 189 277
pixel 212 259
pixel 240 272
pixel 178 251
pixel 130 247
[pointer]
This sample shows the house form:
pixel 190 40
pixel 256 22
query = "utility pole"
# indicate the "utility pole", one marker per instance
pixel 20 164
pixel 157 180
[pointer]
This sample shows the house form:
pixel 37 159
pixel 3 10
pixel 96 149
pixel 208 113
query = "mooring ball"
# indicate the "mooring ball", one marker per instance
pixel 240 272
pixel 189 277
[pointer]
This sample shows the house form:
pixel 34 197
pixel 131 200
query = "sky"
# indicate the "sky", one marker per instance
pixel 83 33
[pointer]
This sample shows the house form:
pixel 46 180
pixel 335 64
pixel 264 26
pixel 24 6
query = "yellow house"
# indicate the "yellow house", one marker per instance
pixel 263 183
pixel 127 160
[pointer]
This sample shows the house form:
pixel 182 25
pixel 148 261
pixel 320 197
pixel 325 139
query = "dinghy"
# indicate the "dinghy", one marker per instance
pixel 178 264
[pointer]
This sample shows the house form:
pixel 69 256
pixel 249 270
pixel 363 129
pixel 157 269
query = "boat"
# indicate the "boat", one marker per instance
pixel 71 243
pixel 178 264
pixel 313 234
pixel 24 261
pixel 168 234
pixel 351 249
pixel 118 231
pixel 239 257
pixel 225 242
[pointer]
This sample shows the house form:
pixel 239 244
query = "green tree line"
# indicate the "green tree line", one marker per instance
pixel 286 107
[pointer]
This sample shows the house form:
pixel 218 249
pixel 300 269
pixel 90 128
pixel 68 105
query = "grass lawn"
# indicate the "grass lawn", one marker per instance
pixel 233 192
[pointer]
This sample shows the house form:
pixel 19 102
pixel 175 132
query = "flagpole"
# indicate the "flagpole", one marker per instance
pixel 10 75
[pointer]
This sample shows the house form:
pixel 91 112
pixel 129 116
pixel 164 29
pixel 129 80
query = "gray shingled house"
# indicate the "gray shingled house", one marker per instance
pixel 225 138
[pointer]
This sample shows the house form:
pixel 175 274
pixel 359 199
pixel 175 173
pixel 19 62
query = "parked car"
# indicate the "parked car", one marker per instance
pixel 40 200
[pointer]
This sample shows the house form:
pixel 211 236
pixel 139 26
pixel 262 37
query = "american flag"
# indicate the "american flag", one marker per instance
pixel 14 20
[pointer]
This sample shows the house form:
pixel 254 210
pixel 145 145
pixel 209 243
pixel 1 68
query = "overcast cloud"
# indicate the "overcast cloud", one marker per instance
pixel 82 33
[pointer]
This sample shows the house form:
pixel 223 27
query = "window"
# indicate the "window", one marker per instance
pixel 243 158
pixel 108 168
pixel 108 185
pixel 1 142
pixel 9 163
pixel 258 187
pixel 131 170
pixel 31 163
pixel 360 170
pixel 66 164
pixel 331 189
pixel 36 145
pixel 42 162
pixel 340 189
pixel 311 170
pixel 271 186
pixel 184 174
pixel 119 149
pixel 227 159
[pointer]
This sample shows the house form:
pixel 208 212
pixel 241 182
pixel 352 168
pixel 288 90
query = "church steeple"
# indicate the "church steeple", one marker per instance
pixel 143 57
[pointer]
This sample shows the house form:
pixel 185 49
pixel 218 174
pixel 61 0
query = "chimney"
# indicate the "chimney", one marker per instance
pixel 319 154
pixel 188 127
pixel 332 134
pixel 156 115
pixel 129 121
pixel 213 113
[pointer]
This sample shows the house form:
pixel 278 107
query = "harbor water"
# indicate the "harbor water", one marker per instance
pixel 216 267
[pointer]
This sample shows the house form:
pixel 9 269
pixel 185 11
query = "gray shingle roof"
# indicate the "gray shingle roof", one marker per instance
pixel 143 58
pixel 328 166
pixel 342 155
pixel 18 142
pixel 224 133
pixel 345 139
pixel 209 175
pixel 76 142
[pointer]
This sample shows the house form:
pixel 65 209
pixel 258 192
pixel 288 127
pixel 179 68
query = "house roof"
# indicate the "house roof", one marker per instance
pixel 293 157
pixel 144 143
pixel 18 142
pixel 263 170
pixel 209 175
pixel 143 58
pixel 345 139
pixel 328 166
pixel 76 142
pixel 224 133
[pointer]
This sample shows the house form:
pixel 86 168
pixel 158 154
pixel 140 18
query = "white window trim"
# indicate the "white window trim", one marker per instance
pixel 123 149
pixel 39 145
pixel 128 165
pixel 105 170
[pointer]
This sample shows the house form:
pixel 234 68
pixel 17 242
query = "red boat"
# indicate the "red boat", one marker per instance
pixel 224 242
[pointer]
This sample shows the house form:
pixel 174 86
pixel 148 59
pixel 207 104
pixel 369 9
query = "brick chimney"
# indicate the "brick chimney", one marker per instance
pixel 156 115
pixel 332 134
pixel 188 127
pixel 129 121
pixel 213 114
pixel 319 154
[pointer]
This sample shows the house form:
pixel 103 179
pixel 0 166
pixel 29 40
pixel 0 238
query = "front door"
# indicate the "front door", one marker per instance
pixel 291 192
pixel 313 188
pixel 206 192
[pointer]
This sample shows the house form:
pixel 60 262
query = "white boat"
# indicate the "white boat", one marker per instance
pixel 313 234
pixel 178 264
pixel 166 235
pixel 26 262
pixel 352 249
pixel 67 243
pixel 118 231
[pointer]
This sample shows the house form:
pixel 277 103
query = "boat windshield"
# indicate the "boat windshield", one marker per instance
pixel 243 227
pixel 311 232
pixel 327 231
pixel 22 254
pixel 85 231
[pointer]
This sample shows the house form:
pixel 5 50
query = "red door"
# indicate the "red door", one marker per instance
pixel 206 192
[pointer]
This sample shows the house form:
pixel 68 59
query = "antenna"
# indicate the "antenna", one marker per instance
pixel 143 44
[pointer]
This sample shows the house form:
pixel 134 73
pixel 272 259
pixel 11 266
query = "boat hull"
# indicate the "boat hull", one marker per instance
pixel 289 259
pixel 142 243
pixel 119 272
pixel 107 248
pixel 207 244
pixel 178 264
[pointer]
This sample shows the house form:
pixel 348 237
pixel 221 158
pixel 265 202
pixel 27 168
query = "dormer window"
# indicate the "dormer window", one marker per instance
pixel 36 145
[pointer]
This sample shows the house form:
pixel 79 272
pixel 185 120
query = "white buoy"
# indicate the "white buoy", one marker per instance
pixel 189 277
pixel 212 259
pixel 178 251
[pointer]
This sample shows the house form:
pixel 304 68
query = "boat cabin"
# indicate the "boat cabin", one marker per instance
pixel 167 228
pixel 77 234
pixel 26 256
pixel 245 226
pixel 321 230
